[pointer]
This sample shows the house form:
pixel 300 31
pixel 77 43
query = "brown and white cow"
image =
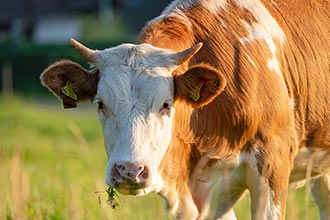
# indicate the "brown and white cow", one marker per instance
pixel 248 108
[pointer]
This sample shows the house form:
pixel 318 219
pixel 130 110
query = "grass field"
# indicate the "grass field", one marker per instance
pixel 52 161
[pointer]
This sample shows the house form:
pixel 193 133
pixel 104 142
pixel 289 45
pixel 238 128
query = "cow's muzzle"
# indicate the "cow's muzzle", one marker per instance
pixel 128 177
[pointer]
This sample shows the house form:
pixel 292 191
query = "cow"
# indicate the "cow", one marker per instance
pixel 216 95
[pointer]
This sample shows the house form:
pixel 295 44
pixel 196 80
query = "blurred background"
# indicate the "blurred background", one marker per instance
pixel 52 161
pixel 35 33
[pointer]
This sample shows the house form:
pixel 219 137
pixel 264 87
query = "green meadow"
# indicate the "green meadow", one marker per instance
pixel 52 167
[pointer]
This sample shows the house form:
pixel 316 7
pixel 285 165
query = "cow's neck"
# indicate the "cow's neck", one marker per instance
pixel 191 132
pixel 231 111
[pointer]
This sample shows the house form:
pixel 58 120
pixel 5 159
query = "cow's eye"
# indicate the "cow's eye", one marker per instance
pixel 101 106
pixel 166 107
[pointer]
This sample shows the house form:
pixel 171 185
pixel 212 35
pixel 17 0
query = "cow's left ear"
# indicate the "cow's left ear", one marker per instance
pixel 199 85
pixel 70 82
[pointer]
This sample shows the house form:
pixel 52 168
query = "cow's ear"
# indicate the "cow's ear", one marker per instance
pixel 199 85
pixel 70 82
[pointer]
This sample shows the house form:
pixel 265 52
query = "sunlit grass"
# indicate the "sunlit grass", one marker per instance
pixel 52 161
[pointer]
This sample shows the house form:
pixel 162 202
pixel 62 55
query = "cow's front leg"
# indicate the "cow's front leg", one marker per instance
pixel 207 176
pixel 201 197
pixel 267 180
pixel 199 183
pixel 179 202
pixel 230 189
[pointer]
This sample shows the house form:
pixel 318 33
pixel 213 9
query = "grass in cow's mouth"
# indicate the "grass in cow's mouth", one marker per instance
pixel 113 198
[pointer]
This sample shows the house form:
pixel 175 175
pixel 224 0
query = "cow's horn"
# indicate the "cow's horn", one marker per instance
pixel 187 54
pixel 85 52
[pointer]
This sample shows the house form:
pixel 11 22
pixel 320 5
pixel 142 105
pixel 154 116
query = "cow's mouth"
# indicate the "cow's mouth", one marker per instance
pixel 129 187
pixel 130 190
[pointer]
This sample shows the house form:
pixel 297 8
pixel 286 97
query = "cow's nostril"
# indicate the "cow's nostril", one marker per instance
pixel 121 167
pixel 145 175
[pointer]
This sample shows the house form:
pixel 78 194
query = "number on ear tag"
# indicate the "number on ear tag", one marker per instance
pixel 68 91
pixel 197 93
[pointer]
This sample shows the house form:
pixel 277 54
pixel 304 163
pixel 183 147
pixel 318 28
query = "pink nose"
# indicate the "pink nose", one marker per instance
pixel 130 173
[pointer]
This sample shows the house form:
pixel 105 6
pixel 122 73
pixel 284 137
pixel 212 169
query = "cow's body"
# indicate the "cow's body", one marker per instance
pixel 273 115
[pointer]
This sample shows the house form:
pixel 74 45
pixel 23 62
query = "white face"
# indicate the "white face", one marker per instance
pixel 135 97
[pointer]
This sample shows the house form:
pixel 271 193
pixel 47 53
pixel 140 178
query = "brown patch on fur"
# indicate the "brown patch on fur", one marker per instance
pixel 84 83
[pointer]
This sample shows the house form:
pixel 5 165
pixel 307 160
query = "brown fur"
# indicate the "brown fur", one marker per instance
pixel 254 109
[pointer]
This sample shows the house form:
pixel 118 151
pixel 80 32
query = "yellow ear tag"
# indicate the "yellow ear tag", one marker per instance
pixel 197 94
pixel 68 91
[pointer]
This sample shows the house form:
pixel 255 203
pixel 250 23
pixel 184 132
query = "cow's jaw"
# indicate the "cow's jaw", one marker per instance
pixel 136 116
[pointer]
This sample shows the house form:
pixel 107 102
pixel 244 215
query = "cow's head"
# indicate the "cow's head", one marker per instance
pixel 135 91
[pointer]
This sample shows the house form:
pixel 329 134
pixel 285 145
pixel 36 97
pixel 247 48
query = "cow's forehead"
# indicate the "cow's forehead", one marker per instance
pixel 140 56
pixel 127 83
pixel 139 79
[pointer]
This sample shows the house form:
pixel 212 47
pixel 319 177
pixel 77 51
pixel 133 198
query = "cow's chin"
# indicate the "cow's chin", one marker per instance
pixel 128 190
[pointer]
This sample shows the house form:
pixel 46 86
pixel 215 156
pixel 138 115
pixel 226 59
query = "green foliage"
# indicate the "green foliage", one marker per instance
pixel 28 59
pixel 108 28
pixel 52 161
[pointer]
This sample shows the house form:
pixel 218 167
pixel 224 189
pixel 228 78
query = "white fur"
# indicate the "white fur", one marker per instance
pixel 258 31
pixel 266 24
pixel 250 59
pixel 272 64
pixel 228 216
pixel 214 6
pixel 266 28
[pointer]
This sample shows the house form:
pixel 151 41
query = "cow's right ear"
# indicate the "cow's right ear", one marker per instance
pixel 70 82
